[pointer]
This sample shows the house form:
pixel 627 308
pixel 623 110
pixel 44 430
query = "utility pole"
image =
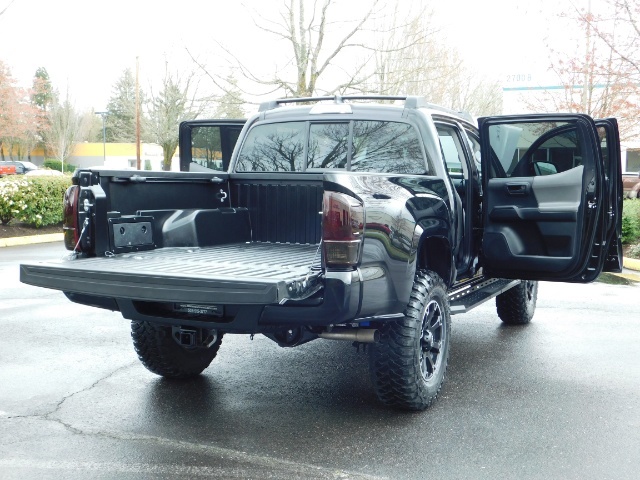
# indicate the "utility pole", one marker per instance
pixel 138 161
pixel 104 136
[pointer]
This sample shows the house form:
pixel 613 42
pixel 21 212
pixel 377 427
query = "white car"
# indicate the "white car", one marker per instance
pixel 44 173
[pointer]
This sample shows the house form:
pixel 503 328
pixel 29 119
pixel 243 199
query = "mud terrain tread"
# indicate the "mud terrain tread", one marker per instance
pixel 160 354
pixel 395 370
pixel 514 306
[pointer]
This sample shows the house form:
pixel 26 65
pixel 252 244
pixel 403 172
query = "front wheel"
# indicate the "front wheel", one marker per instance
pixel 517 305
pixel 162 355
pixel 409 363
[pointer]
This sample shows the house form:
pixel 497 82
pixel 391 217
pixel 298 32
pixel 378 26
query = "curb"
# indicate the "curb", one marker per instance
pixel 31 240
pixel 631 263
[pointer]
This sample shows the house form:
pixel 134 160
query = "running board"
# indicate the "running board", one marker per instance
pixel 475 292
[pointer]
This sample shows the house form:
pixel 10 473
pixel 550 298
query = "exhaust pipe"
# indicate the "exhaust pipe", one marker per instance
pixel 361 335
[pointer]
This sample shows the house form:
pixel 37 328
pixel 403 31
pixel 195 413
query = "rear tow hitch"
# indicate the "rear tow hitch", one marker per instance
pixel 194 337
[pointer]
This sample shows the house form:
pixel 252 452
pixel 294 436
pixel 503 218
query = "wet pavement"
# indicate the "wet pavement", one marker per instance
pixel 559 398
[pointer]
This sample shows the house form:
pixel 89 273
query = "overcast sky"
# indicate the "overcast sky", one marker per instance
pixel 86 44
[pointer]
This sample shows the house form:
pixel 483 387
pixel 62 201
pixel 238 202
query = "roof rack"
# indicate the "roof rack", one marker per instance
pixel 410 102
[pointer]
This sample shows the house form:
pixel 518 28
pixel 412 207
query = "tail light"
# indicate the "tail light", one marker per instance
pixel 70 225
pixel 342 230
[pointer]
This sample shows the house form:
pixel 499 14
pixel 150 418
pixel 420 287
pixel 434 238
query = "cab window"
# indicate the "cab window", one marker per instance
pixel 535 149
pixel 386 147
pixel 273 147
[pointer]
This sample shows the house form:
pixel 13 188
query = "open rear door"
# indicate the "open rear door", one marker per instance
pixel 610 148
pixel 207 145
pixel 547 205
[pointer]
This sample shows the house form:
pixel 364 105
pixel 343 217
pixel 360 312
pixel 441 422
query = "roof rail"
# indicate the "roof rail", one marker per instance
pixel 270 105
pixel 410 102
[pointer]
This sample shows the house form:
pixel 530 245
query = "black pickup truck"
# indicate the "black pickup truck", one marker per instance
pixel 367 219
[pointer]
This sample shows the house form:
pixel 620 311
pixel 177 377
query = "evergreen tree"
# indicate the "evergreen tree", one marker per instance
pixel 120 124
pixel 42 90
pixel 42 96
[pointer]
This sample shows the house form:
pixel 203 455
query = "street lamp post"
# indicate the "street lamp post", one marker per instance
pixel 104 136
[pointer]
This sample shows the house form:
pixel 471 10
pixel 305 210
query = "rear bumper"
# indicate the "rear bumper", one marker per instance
pixel 337 302
pixel 247 305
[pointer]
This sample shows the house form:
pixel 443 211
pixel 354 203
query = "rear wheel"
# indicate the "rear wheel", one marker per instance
pixel 409 363
pixel 162 355
pixel 517 305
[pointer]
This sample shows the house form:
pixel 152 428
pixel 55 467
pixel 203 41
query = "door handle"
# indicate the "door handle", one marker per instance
pixel 517 188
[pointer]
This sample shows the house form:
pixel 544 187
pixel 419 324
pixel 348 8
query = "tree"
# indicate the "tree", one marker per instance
pixel 6 8
pixel 410 58
pixel 18 118
pixel 91 127
pixel 602 77
pixel 41 97
pixel 65 125
pixel 175 102
pixel 388 49
pixel 618 29
pixel 8 102
pixel 231 102
pixel 321 50
pixel 120 124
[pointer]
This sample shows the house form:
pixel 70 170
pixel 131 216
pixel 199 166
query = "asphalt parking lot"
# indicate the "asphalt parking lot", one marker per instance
pixel 559 398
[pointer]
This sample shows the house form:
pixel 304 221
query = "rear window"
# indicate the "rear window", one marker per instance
pixel 274 147
pixel 363 146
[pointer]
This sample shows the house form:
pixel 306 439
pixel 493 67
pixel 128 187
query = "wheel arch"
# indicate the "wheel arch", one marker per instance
pixel 434 253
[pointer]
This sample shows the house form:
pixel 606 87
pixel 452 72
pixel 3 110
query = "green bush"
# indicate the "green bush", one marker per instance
pixel 631 221
pixel 54 164
pixel 36 201
pixel 13 194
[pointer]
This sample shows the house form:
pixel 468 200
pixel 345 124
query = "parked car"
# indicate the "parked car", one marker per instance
pixel 22 167
pixel 7 169
pixel 44 173
pixel 631 185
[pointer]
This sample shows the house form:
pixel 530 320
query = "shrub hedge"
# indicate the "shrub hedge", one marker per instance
pixel 631 221
pixel 54 164
pixel 36 201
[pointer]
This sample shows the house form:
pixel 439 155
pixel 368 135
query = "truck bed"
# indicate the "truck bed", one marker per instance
pixel 248 273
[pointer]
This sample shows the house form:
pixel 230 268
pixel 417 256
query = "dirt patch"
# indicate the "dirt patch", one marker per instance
pixel 24 230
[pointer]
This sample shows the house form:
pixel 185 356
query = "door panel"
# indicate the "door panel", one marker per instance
pixel 532 218
pixel 544 197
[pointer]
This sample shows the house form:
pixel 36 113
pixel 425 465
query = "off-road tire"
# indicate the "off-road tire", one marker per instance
pixel 517 305
pixel 162 355
pixel 409 363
